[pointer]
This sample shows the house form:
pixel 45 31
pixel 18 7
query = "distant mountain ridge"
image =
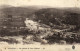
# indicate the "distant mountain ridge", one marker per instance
pixel 42 14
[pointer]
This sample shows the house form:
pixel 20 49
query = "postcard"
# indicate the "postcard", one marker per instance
pixel 39 25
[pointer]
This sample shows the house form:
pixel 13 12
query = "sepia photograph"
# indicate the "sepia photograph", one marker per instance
pixel 39 25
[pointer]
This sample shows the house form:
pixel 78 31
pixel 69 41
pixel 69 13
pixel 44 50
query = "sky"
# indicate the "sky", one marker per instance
pixel 52 3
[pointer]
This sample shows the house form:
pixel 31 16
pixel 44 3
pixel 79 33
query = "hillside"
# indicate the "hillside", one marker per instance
pixel 56 16
pixel 39 24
